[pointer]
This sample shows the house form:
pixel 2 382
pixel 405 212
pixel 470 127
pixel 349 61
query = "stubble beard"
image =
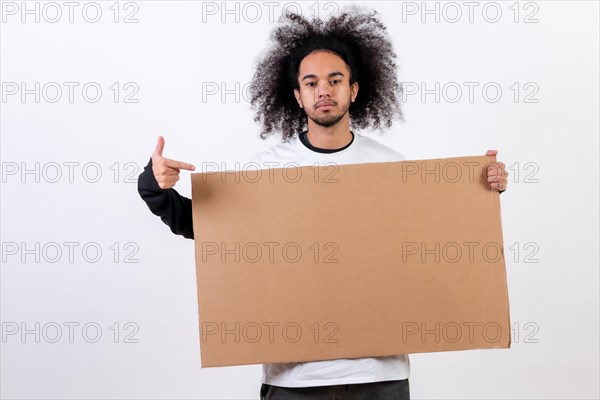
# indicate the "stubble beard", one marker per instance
pixel 328 119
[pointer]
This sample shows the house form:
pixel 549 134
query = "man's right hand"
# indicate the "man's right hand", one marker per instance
pixel 166 171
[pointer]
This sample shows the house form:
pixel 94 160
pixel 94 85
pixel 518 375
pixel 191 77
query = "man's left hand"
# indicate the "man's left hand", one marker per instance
pixel 497 174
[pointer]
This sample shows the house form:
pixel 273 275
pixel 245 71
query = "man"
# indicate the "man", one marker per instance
pixel 322 77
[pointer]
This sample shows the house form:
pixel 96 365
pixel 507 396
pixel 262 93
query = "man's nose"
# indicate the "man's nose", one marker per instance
pixel 325 90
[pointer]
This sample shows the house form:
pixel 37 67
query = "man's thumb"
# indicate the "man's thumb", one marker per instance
pixel 160 146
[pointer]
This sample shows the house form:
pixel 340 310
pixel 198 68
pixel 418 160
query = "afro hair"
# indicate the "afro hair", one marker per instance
pixel 359 38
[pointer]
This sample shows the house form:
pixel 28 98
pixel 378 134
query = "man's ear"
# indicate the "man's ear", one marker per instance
pixel 297 94
pixel 354 90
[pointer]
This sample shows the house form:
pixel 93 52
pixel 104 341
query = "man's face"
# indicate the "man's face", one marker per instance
pixel 325 92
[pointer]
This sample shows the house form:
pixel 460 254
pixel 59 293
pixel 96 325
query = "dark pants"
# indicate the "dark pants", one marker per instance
pixel 384 390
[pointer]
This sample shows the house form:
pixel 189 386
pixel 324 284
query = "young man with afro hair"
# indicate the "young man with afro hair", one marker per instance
pixel 317 83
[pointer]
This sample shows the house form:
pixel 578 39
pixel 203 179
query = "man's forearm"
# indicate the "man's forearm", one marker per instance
pixel 173 209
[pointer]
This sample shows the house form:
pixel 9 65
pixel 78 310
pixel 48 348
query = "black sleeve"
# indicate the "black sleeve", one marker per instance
pixel 174 209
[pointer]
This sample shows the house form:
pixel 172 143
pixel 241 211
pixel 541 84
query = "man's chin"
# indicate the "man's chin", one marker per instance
pixel 327 122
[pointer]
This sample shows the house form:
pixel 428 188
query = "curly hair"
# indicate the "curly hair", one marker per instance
pixel 359 38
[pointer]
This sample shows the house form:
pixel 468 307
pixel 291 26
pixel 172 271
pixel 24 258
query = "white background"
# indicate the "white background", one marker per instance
pixel 550 210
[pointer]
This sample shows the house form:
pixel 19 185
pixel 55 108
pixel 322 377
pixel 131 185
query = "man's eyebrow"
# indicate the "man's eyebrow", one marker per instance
pixel 336 73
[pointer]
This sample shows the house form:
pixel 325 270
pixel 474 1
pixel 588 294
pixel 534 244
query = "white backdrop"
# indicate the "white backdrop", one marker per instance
pixel 81 251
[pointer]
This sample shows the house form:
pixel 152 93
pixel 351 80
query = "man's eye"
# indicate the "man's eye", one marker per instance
pixel 310 84
pixel 335 81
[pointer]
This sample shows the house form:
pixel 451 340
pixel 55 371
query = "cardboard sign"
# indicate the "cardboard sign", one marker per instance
pixel 315 263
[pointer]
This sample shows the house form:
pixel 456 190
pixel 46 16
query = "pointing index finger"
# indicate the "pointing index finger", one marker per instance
pixel 179 165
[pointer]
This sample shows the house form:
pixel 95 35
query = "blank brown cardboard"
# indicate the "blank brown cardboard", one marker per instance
pixel 314 263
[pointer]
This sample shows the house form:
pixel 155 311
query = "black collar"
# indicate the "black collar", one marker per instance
pixel 305 142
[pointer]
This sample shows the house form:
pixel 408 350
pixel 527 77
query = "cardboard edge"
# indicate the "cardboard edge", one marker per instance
pixel 195 221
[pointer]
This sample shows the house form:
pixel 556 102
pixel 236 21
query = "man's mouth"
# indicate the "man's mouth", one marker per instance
pixel 325 105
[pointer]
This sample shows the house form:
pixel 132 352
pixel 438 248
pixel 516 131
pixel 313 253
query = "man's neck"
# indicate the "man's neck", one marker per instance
pixel 333 137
